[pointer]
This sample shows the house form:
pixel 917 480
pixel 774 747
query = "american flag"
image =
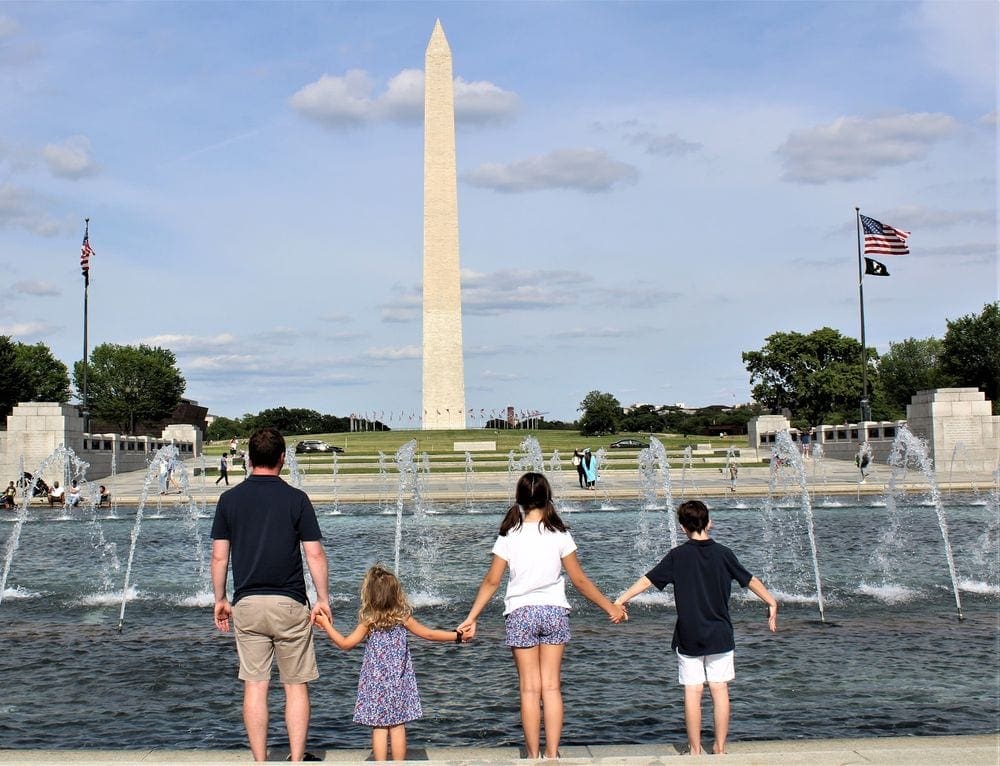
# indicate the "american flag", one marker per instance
pixel 881 239
pixel 85 253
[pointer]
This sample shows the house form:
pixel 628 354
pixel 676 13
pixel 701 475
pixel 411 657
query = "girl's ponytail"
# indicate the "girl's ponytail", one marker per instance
pixel 512 520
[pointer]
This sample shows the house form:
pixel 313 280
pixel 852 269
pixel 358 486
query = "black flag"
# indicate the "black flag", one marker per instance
pixel 875 268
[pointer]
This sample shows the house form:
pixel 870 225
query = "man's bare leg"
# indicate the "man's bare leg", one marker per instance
pixel 692 716
pixel 720 714
pixel 255 717
pixel 297 719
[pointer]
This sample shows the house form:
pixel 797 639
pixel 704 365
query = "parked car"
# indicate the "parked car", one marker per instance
pixel 315 445
pixel 628 444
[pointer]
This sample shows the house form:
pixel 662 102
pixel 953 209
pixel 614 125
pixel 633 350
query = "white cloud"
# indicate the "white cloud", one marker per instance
pixel 35 287
pixel 339 101
pixel 500 376
pixel 961 40
pixel 483 102
pixel 394 353
pixel 589 170
pixel 191 344
pixel 663 144
pixel 22 208
pixel 70 159
pixel 852 148
pixel 510 290
pixel 29 331
pixel 989 119
pixel 8 27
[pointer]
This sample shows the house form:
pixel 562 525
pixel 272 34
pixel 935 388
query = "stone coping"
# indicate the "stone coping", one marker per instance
pixel 969 750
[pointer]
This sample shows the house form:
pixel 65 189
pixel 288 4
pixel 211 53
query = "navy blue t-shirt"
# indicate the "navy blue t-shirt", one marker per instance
pixel 702 572
pixel 265 520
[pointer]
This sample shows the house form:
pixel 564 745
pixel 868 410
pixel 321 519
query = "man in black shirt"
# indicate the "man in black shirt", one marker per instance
pixel 264 525
pixel 701 571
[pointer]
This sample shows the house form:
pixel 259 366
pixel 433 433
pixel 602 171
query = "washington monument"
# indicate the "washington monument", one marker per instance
pixel 443 372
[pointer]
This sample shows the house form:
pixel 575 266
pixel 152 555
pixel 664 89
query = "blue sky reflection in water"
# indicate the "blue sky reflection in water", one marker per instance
pixel 645 189
pixel 892 658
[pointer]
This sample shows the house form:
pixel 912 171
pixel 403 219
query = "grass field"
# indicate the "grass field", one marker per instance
pixel 442 442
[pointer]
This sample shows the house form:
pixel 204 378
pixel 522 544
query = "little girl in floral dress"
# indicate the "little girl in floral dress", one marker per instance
pixel 387 687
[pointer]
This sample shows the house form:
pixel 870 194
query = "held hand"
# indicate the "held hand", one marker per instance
pixel 321 608
pixel 468 630
pixel 322 621
pixel 618 613
pixel 223 611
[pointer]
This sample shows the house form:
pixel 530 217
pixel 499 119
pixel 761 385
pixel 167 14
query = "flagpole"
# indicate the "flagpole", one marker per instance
pixel 86 291
pixel 865 407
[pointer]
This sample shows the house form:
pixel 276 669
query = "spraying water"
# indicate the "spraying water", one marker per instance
pixel 780 528
pixel 336 485
pixel 908 449
pixel 468 480
pixel 164 462
pixel 294 470
pixel 68 464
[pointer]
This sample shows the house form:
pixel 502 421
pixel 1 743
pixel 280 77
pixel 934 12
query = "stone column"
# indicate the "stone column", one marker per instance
pixel 443 371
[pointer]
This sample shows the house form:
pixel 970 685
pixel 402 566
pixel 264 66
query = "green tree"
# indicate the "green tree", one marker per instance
pixel 643 418
pixel 13 381
pixel 601 414
pixel 223 428
pixel 47 377
pixel 972 352
pixel 130 385
pixel 30 373
pixel 814 375
pixel 907 367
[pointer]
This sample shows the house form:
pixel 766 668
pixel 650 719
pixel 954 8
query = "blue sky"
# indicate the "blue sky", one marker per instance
pixel 645 189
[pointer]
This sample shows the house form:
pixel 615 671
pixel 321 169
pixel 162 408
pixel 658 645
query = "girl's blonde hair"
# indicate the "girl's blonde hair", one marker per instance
pixel 383 602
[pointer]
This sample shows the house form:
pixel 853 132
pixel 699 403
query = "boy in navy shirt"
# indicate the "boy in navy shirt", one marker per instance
pixel 701 571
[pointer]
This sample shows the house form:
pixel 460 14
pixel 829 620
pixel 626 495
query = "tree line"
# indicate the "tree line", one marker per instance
pixel 816 377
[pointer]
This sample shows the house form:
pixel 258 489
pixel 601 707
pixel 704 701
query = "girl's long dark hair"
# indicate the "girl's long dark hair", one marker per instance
pixel 533 491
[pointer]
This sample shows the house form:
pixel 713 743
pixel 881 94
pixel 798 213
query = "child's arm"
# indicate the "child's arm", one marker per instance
pixel 420 630
pixel 634 590
pixel 764 595
pixel 487 588
pixel 343 642
pixel 590 591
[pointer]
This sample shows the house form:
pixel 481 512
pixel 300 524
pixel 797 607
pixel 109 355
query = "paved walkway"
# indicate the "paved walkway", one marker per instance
pixel 980 750
pixel 827 477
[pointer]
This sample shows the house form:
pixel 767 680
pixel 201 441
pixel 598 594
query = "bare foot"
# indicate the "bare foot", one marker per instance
pixel 719 749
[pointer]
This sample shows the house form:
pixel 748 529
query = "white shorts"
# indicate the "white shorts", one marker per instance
pixel 714 668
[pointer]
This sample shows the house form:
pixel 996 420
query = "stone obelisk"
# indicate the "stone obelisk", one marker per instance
pixel 443 373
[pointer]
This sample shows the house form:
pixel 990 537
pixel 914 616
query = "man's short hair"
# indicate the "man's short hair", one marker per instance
pixel 267 445
pixel 693 516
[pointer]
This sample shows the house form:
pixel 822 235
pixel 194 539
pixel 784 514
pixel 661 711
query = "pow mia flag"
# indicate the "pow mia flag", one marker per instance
pixel 875 268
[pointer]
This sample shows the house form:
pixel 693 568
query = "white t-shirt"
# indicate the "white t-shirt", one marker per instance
pixel 534 555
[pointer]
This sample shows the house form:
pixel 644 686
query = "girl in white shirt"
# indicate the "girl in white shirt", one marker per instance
pixel 537 546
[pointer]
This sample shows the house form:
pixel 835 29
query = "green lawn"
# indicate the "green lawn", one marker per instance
pixel 442 442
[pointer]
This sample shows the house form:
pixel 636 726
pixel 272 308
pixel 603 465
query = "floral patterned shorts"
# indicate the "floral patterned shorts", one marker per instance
pixel 533 625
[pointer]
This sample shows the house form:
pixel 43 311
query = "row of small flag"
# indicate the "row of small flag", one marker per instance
pixel 471 412
pixel 881 239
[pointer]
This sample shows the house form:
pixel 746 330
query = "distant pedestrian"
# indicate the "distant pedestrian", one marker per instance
pixel 10 496
pixel 578 464
pixel 805 438
pixel 589 465
pixel 734 472
pixel 245 457
pixel 223 470
pixel 234 445
pixel 863 459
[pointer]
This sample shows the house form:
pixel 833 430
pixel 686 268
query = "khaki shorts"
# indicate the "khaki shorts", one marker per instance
pixel 274 627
